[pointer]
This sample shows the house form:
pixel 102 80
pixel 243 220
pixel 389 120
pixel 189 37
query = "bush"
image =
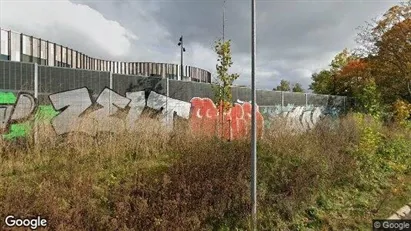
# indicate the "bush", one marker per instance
pixel 151 180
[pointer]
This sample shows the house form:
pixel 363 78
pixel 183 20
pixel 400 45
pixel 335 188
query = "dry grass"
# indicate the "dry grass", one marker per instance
pixel 151 180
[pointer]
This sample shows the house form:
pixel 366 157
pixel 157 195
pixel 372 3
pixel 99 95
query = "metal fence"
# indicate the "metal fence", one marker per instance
pixel 19 76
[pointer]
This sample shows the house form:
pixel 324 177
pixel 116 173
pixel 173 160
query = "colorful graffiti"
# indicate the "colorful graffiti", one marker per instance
pixel 74 111
pixel 235 123
pixel 298 118
pixel 13 113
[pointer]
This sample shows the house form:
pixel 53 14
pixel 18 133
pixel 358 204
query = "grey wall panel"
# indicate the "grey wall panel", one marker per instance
pixel 16 76
pixel 27 77
pixel 317 100
pixel 130 83
pixel 268 97
pixel 185 91
pixel 3 75
pixel 297 99
pixel 242 94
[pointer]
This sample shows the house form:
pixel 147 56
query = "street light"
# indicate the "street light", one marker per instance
pixel 168 80
pixel 183 49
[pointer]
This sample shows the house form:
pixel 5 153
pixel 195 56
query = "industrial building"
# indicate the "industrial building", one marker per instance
pixel 25 48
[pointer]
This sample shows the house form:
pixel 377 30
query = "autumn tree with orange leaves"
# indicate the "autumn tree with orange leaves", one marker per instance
pixel 378 73
pixel 386 43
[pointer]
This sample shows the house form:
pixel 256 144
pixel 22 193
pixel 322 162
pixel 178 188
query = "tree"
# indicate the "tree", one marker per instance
pixel 322 82
pixel 386 43
pixel 222 89
pixel 298 88
pixel 284 86
pixel 341 60
pixel 352 77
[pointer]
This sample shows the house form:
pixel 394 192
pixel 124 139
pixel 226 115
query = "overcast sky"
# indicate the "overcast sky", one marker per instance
pixel 294 38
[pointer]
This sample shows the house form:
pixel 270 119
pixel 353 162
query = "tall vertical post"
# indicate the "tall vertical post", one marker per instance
pixel 36 95
pixel 111 88
pixel 167 95
pixel 181 64
pixel 345 107
pixel 253 120
pixel 182 51
pixel 36 80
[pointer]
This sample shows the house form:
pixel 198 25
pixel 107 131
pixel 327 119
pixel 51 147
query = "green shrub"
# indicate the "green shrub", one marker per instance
pixel 328 178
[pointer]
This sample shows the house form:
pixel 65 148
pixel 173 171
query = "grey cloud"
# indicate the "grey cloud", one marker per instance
pixel 294 38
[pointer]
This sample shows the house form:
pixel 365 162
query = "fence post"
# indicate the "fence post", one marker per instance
pixel 36 80
pixel 167 96
pixel 328 101
pixel 111 88
pixel 36 95
pixel 282 101
pixel 345 107
pixel 306 100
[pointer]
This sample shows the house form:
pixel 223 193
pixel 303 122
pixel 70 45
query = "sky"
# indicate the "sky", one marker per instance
pixel 294 38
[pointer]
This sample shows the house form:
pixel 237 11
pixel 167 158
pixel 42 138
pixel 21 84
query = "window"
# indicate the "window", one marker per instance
pixel 75 59
pixel 64 56
pixel 4 47
pixel 69 54
pixel 15 47
pixel 58 55
pixel 36 48
pixel 26 45
pixel 51 54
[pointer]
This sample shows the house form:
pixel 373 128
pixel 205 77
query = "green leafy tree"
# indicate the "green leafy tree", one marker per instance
pixel 341 60
pixel 298 88
pixel 325 81
pixel 322 82
pixel 368 99
pixel 223 85
pixel 284 86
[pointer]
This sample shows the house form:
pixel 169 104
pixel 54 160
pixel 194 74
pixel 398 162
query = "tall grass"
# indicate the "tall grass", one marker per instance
pixel 336 176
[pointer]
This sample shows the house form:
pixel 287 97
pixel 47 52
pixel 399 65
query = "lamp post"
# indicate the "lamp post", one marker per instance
pixel 183 49
pixel 253 120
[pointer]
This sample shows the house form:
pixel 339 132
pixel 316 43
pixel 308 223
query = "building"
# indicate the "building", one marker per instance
pixel 24 48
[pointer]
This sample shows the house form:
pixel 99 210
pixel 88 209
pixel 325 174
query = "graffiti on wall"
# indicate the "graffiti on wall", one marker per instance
pixel 235 123
pixel 14 111
pixel 298 118
pixel 109 110
pixel 75 111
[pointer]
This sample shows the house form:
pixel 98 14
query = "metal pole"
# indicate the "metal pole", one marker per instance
pixel 253 120
pixel 36 96
pixel 167 95
pixel 36 80
pixel 182 49
pixel 306 100
pixel 111 88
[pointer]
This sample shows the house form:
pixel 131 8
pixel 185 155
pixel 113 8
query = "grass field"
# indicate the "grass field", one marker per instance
pixel 338 176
